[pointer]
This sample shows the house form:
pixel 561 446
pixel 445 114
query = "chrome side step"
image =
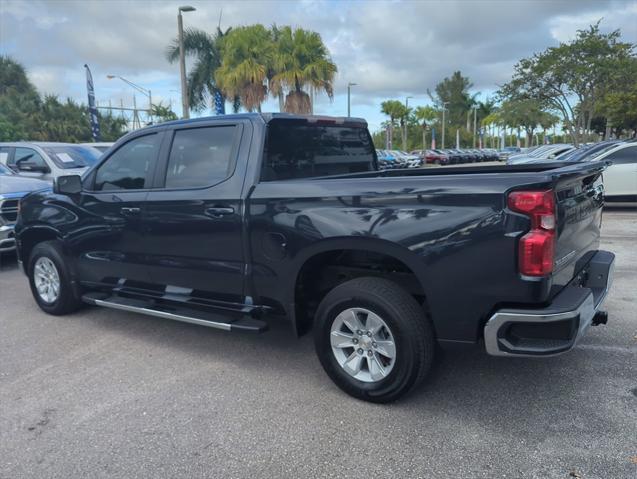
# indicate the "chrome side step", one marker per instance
pixel 160 310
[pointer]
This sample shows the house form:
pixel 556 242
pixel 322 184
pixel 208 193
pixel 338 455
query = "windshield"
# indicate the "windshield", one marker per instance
pixel 72 156
pixel 4 170
pixel 594 155
pixel 574 153
pixel 541 150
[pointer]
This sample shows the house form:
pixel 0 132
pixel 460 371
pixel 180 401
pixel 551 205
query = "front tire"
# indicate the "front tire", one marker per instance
pixel 50 280
pixel 373 339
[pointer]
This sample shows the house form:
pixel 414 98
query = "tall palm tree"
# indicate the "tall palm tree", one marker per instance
pixel 246 59
pixel 301 62
pixel 425 115
pixel 206 48
pixel 275 33
pixel 395 110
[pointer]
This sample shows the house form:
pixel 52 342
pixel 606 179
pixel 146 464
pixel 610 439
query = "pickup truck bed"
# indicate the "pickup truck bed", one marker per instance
pixel 301 225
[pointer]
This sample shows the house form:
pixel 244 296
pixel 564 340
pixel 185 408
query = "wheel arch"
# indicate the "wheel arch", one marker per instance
pixel 315 256
pixel 30 237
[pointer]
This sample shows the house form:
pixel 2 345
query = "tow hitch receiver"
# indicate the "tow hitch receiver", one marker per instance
pixel 601 317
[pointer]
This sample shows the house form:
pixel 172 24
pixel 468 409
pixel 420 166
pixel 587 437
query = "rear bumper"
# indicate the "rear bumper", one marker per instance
pixel 557 327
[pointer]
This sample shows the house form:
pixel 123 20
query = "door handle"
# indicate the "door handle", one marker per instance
pixel 130 211
pixel 219 211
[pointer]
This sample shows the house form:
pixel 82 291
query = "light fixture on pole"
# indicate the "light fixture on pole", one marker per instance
pixel 182 60
pixel 349 87
pixel 140 89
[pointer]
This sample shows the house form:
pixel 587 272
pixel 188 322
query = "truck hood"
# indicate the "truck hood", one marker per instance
pixel 20 184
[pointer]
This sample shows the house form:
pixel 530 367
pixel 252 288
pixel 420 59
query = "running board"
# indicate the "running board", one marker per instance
pixel 159 310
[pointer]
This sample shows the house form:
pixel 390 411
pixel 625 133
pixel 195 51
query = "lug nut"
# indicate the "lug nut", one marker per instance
pixel 374 345
pixel 359 332
pixel 360 351
pixel 369 353
pixel 369 334
pixel 355 341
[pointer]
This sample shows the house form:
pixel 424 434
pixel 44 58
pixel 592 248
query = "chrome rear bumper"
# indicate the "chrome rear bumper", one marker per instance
pixel 556 328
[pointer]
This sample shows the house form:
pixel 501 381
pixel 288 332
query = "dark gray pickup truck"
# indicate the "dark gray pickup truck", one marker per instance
pixel 233 221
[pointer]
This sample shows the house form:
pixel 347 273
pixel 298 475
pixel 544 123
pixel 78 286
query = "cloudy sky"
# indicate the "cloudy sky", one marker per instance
pixel 391 49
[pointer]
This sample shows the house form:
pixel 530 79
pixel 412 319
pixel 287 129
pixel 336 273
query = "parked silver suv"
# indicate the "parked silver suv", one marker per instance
pixel 12 189
pixel 47 161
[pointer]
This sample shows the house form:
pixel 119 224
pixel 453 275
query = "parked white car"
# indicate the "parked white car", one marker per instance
pixel 620 179
pixel 47 161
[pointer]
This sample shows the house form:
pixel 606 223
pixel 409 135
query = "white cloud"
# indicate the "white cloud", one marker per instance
pixel 622 16
pixel 390 48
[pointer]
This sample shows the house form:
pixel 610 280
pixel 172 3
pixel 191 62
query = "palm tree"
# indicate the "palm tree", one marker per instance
pixel 202 87
pixel 395 110
pixel 275 33
pixel 492 121
pixel 301 61
pixel 246 59
pixel 426 115
pixel 163 112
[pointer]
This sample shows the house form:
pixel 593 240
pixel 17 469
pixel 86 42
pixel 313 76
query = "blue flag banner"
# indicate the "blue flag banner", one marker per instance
pixel 220 104
pixel 92 109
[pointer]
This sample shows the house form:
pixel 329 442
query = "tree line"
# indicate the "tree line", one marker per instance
pixel 25 114
pixel 587 86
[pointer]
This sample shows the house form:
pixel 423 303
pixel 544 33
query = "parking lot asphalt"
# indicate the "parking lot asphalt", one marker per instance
pixel 104 393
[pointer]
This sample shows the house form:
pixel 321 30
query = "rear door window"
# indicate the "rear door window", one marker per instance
pixel 201 157
pixel 304 150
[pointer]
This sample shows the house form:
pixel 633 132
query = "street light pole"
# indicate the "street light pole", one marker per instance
pixel 140 89
pixel 349 87
pixel 182 61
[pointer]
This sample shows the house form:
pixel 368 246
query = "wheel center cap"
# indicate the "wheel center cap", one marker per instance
pixel 366 342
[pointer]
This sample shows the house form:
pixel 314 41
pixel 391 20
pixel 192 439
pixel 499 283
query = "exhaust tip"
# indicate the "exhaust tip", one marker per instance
pixel 601 317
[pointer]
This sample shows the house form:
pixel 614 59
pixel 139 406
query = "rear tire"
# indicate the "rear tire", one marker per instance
pixel 404 323
pixel 50 280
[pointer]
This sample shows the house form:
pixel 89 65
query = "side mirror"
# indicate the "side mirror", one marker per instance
pixel 31 167
pixel 68 185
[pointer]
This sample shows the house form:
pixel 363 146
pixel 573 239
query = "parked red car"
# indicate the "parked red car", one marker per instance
pixel 436 157
pixel 432 156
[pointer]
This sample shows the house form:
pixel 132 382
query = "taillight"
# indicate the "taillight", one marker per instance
pixel 537 247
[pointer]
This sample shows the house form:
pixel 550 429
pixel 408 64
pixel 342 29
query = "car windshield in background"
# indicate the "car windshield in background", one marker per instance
pixel 5 171
pixel 72 156
pixel 593 156
pixel 302 150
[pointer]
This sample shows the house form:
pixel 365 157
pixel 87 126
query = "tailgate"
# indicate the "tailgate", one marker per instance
pixel 580 198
